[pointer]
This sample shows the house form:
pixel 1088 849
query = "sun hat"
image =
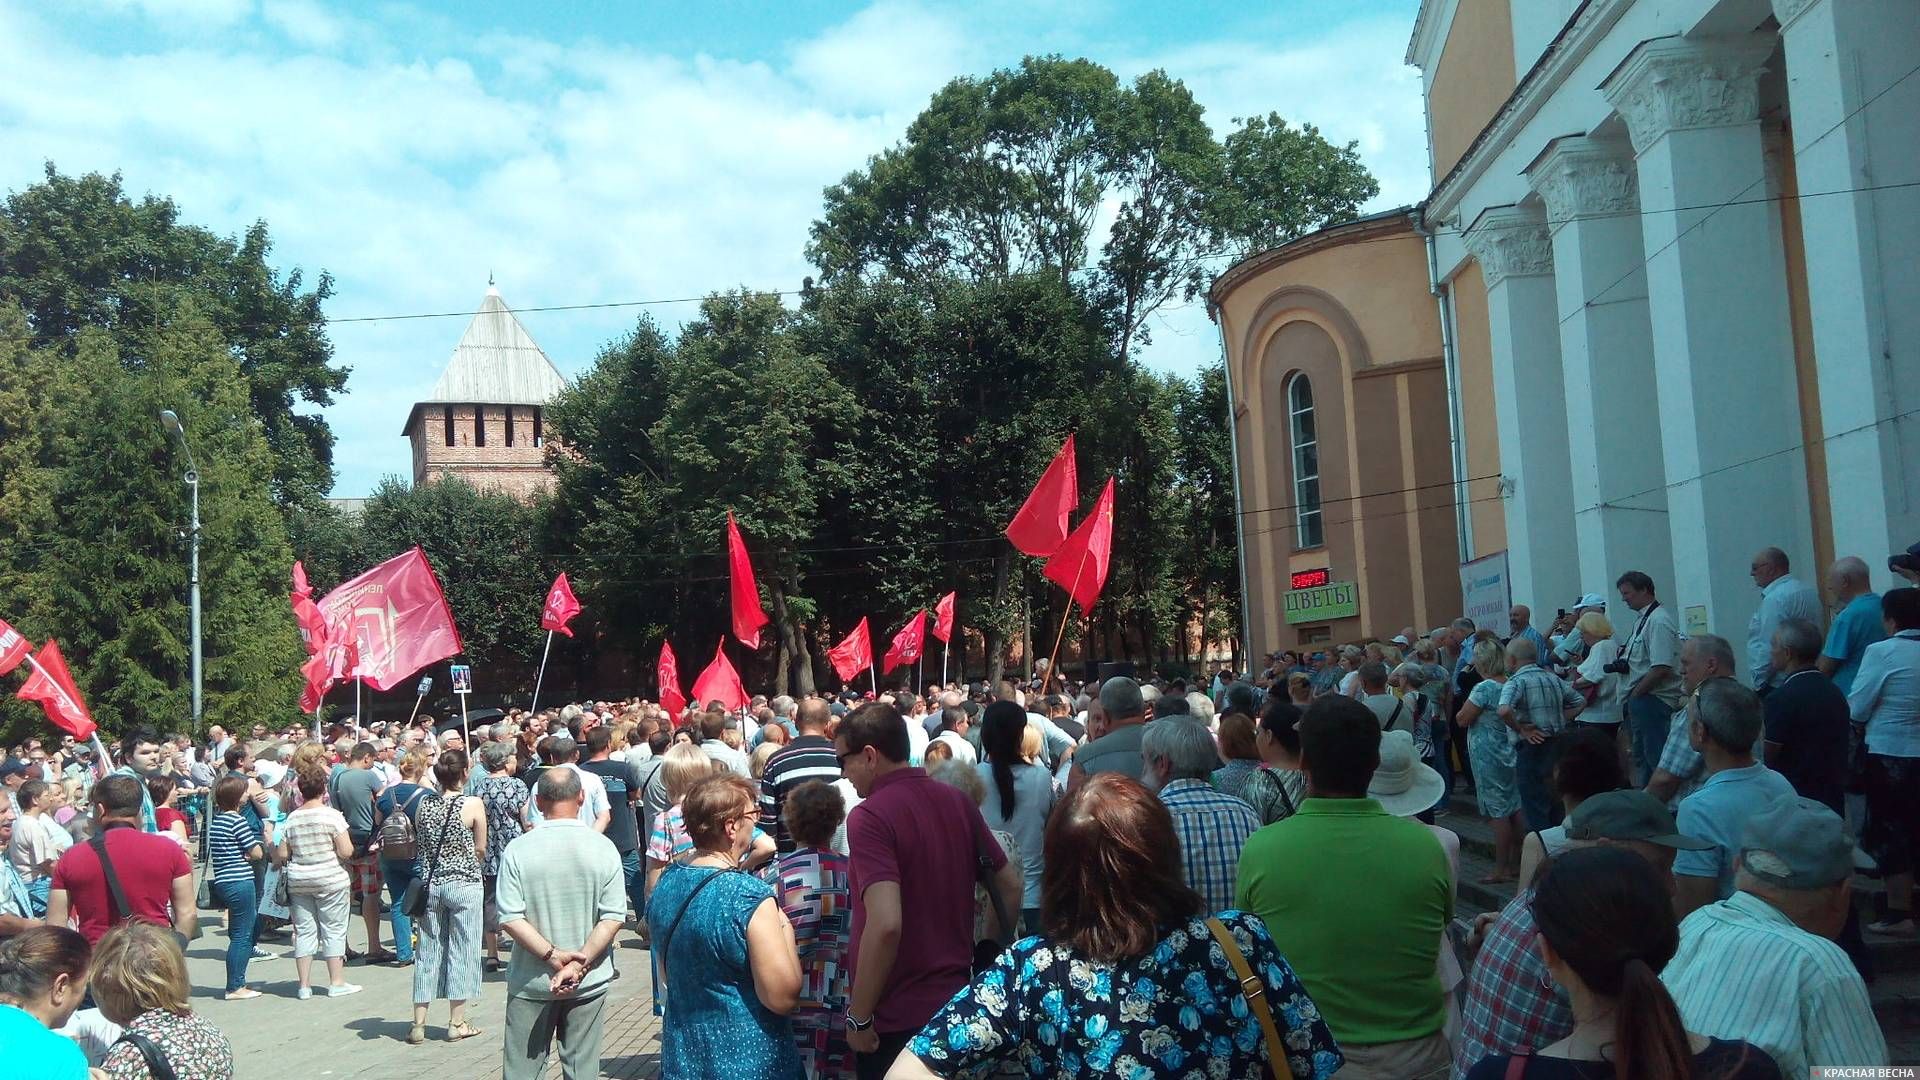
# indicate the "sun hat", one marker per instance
pixel 1798 843
pixel 269 773
pixel 1403 785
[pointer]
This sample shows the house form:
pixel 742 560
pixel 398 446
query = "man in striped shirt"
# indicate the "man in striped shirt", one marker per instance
pixel 1179 757
pixel 1759 965
pixel 808 757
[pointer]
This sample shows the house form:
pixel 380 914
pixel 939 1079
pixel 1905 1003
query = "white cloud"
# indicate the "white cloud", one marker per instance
pixel 181 15
pixel 574 172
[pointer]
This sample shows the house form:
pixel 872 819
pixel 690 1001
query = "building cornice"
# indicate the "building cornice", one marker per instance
pixel 1427 26
pixel 1373 227
pixel 1587 27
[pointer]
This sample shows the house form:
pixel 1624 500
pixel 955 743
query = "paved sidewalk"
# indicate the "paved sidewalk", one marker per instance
pixel 279 1037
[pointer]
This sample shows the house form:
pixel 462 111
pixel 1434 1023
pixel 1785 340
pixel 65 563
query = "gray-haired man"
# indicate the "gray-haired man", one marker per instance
pixel 562 898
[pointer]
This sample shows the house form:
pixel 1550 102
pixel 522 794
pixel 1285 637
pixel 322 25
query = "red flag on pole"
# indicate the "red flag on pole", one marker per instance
pixel 907 643
pixel 561 607
pixel 853 655
pixel 52 686
pixel 396 618
pixel 1080 566
pixel 671 699
pixel 1041 525
pixel 943 618
pixel 720 682
pixel 748 616
pixel 14 647
pixel 335 661
pixel 313 628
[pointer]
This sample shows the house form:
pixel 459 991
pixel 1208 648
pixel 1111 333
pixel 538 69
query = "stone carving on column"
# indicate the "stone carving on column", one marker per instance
pixel 1670 84
pixel 1508 241
pixel 1581 176
pixel 1785 11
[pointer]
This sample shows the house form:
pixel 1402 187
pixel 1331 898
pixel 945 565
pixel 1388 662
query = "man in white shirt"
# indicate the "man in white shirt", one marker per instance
pixel 1885 701
pixel 1782 596
pixel 954 724
pixel 595 811
pixel 713 729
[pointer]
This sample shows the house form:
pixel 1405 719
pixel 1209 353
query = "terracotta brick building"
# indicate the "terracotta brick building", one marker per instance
pixel 484 421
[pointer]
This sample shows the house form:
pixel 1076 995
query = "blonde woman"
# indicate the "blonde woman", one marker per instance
pixel 138 977
pixel 1490 748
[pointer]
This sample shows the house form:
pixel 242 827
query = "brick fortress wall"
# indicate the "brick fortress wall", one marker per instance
pixel 516 466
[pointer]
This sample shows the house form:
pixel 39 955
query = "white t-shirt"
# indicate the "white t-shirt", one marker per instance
pixel 962 749
pixel 593 798
pixel 37 839
pixel 1606 704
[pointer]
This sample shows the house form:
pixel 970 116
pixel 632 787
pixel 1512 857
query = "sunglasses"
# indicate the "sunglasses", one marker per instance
pixel 843 758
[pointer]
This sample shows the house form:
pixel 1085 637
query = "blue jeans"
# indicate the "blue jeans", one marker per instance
pixel 630 863
pixel 1648 719
pixel 399 874
pixel 1533 772
pixel 243 905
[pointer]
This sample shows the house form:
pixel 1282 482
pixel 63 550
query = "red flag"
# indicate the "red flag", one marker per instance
pixel 52 686
pixel 748 617
pixel 14 647
pixel 671 699
pixel 907 643
pixel 1080 566
pixel 853 655
pixel 720 682
pixel 335 661
pixel 1041 525
pixel 313 628
pixel 561 607
pixel 943 618
pixel 396 619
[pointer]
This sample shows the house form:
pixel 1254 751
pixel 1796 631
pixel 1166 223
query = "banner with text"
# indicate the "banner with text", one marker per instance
pixel 1486 591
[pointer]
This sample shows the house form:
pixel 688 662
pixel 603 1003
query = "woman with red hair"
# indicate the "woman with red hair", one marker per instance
pixel 1128 981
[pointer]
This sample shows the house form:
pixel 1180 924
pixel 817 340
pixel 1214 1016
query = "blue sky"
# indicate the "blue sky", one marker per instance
pixel 601 151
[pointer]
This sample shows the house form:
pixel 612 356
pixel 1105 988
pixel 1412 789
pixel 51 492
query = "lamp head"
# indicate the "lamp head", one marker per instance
pixel 171 421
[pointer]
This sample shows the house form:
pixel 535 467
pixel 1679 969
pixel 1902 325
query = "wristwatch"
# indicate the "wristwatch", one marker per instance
pixel 854 1024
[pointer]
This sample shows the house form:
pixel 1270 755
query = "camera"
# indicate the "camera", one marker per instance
pixel 1617 667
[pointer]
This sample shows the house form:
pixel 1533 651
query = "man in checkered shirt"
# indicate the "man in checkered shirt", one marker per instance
pixel 1179 758
pixel 1538 705
pixel 1512 1004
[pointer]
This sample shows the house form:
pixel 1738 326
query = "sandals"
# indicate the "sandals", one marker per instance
pixel 461 1030
pixel 417 1034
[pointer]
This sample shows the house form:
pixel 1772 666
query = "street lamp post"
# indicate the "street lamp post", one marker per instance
pixel 172 423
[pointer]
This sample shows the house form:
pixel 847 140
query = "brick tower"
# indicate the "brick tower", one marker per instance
pixel 484 418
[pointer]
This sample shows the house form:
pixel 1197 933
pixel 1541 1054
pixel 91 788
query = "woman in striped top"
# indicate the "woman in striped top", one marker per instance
pixel 233 842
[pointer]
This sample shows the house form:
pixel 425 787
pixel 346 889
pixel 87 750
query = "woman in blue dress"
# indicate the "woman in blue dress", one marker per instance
pixel 1490 749
pixel 730 966
pixel 1135 982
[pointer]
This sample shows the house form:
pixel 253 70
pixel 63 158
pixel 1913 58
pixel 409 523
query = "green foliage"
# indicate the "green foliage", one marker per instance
pixel 77 253
pixel 1283 182
pixel 483 547
pixel 101 557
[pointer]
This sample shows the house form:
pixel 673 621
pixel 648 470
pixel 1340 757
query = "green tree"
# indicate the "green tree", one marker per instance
pixel 1282 182
pixel 77 252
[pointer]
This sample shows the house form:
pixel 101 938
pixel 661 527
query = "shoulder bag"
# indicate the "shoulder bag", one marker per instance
pixel 1255 992
pixel 158 1067
pixel 414 900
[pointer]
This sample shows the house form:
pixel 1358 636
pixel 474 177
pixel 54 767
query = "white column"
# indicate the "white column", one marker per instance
pixel 1516 261
pixel 1729 402
pixel 1606 355
pixel 1855 126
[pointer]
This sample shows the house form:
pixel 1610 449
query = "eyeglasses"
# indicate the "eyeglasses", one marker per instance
pixel 849 754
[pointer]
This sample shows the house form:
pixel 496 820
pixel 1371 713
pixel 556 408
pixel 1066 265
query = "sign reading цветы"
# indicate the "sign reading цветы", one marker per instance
pixel 1335 600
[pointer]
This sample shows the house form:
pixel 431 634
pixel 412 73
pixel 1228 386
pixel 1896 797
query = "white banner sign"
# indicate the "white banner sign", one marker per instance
pixel 1486 592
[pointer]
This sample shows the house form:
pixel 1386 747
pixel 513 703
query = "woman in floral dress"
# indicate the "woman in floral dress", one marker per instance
pixel 1129 983
pixel 811 883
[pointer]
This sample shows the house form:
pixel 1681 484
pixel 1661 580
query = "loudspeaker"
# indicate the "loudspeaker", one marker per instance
pixel 1120 667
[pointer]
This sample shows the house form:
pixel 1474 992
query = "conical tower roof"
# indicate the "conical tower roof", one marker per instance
pixel 496 363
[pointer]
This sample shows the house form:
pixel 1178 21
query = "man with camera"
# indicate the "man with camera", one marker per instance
pixel 1649 662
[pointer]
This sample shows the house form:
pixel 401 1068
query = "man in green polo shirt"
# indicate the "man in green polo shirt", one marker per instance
pixel 1356 899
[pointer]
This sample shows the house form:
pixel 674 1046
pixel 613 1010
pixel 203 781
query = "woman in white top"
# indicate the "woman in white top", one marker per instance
pixel 313 850
pixel 1019 798
pixel 1592 676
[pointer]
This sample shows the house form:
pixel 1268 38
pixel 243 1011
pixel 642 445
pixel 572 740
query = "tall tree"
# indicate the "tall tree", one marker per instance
pixel 77 252
pixel 1282 182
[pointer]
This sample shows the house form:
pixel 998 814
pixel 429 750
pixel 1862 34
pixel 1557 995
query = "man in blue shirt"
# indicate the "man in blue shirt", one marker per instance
pixel 1723 720
pixel 1858 624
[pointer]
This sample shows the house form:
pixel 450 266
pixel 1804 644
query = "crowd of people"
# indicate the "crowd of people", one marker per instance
pixel 1241 876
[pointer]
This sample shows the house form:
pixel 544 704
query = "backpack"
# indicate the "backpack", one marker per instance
pixel 397 840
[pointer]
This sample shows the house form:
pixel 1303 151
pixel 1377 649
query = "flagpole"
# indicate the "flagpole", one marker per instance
pixel 1053 658
pixel 416 707
pixel 538 679
pixel 466 736
pixel 946 654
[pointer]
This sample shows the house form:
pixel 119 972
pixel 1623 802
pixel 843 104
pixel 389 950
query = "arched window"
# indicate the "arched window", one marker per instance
pixel 1306 463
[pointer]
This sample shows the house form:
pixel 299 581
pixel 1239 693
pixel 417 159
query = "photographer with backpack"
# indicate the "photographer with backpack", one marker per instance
pixel 395 815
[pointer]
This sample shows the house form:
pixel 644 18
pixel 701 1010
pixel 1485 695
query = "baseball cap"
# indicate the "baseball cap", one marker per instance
pixel 1797 843
pixel 1401 640
pixel 1592 599
pixel 12 767
pixel 1906 560
pixel 1629 815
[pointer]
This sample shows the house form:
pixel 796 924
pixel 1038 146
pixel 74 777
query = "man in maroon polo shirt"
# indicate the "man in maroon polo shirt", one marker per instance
pixel 152 869
pixel 915 844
